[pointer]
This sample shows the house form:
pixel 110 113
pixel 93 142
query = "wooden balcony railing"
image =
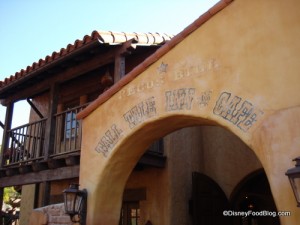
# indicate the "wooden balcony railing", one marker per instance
pixel 25 143
pixel 68 132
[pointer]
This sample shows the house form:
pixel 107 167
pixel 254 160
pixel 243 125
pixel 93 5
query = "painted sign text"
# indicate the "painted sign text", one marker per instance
pixel 239 112
pixel 179 99
pixel 140 112
pixel 109 140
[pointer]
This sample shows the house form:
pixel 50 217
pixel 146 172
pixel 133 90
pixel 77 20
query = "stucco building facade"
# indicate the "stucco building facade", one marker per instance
pixel 221 99
pixel 236 67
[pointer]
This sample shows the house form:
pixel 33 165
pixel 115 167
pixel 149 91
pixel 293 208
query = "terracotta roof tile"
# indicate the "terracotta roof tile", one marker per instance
pixel 104 37
pixel 153 58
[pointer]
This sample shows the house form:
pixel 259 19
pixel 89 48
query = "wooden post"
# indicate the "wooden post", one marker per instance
pixel 46 193
pixel 50 124
pixel 36 203
pixel 119 68
pixel 7 127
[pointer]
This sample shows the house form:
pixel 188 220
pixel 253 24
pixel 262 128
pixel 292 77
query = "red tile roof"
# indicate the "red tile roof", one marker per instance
pixel 103 37
pixel 153 58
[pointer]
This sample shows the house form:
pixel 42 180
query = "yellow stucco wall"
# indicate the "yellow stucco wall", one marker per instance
pixel 239 70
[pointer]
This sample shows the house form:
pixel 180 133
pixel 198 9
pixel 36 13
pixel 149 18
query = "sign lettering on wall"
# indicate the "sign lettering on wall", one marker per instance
pixel 109 140
pixel 140 112
pixel 179 99
pixel 204 98
pixel 196 68
pixel 239 112
pixel 141 87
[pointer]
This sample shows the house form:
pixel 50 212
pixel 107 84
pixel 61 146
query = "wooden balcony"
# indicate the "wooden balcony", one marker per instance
pixel 27 151
pixel 25 144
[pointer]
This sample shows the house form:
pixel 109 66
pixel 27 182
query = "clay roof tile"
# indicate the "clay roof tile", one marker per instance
pixel 106 37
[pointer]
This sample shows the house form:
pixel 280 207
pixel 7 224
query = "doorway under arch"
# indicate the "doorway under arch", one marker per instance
pixel 212 151
pixel 253 194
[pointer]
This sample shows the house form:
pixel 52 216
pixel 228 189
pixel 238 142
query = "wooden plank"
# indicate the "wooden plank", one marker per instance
pixel 42 176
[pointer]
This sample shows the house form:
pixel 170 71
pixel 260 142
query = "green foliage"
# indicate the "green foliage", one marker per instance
pixel 10 194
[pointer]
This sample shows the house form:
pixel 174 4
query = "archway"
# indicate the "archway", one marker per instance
pixel 116 168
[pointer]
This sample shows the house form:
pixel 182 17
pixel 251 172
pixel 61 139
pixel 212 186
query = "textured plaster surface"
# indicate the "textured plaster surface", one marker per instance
pixel 243 60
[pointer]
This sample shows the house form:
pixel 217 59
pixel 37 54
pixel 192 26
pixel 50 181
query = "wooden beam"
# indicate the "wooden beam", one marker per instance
pixel 1 124
pixel 50 123
pixel 35 108
pixel 46 193
pixel 42 176
pixel 7 126
pixel 36 195
pixel 70 73
pixel 149 159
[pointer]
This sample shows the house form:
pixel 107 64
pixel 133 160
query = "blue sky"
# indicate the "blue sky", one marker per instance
pixel 33 29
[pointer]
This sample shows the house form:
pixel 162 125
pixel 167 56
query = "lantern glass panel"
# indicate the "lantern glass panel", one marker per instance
pixel 70 198
pixel 78 202
pixel 295 181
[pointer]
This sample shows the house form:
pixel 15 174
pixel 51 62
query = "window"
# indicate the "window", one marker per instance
pixel 71 126
pixel 130 213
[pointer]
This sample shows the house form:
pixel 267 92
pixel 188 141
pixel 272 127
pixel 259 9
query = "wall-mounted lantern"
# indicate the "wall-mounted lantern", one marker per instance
pixel 76 203
pixel 294 177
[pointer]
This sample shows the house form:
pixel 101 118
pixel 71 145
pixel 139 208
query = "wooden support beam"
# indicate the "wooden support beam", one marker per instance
pixel 42 176
pixel 154 160
pixel 25 169
pixel 46 193
pixel 72 160
pixel 7 127
pixel 50 124
pixel 39 166
pixel 12 171
pixel 1 124
pixel 36 196
pixel 35 108
pixel 56 163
